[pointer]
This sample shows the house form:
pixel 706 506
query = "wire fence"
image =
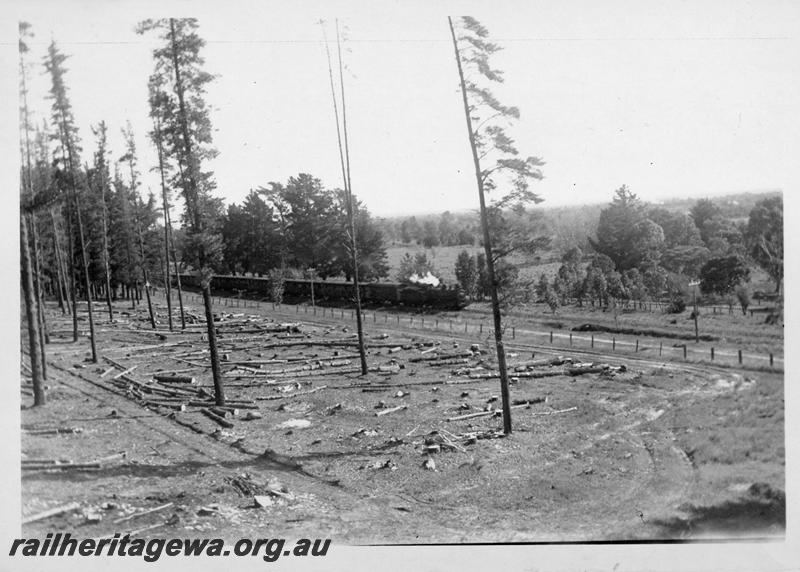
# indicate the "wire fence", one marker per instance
pixel 668 349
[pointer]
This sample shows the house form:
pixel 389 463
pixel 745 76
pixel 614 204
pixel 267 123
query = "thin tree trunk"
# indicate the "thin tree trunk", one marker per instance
pixel 352 217
pixel 57 253
pixel 178 280
pixel 165 203
pixel 30 315
pixel 192 202
pixel 85 261
pixel 344 152
pixel 73 286
pixel 487 244
pixel 106 257
pixel 144 274
pixel 44 338
pixel 37 283
pixel 82 241
pixel 63 295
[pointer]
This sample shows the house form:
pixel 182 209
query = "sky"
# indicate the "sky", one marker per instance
pixel 673 99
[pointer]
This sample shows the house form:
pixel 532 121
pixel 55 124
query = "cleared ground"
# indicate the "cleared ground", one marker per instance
pixel 649 450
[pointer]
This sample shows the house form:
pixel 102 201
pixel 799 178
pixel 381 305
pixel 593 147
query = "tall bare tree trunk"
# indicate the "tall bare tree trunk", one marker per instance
pixel 44 338
pixel 30 315
pixel 72 284
pixel 192 201
pixel 144 274
pixel 487 245
pixel 351 216
pixel 57 253
pixel 344 158
pixel 106 257
pixel 81 239
pixel 165 203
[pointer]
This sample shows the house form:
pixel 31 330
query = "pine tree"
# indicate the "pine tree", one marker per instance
pixel 68 136
pixel 31 212
pixel 472 50
pixel 102 178
pixel 130 157
pixel 179 64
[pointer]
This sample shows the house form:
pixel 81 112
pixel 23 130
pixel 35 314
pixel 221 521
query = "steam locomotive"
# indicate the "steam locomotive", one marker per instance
pixel 372 293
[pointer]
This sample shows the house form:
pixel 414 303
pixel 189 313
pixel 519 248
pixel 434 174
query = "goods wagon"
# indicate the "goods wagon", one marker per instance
pixel 372 293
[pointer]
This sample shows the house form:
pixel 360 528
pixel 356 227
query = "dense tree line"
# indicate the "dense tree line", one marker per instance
pixel 642 252
pixel 300 227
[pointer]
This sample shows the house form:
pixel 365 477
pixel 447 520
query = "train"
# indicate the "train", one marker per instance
pixel 336 292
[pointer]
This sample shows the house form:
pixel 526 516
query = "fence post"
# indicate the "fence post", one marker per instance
pixel 551 336
pixel 570 338
pixel 613 344
pixel 437 324
pixel 412 321
pixel 770 360
pixel 481 328
pixel 684 351
pixel 712 354
pixel 423 321
pixel 637 344
pixel 740 357
pixel 398 319
pixel 660 348
pixel 513 332
pixel 374 317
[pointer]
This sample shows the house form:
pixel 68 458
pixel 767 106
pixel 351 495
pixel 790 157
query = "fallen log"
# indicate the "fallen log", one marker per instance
pixel 61 467
pixel 441 356
pixel 390 410
pixel 289 395
pixel 54 431
pixel 528 374
pixel 573 371
pixel 126 372
pixel 555 412
pixel 453 361
pixel 474 415
pixel 166 378
pixel 142 513
pixel 216 418
pixel 497 412
pixel 52 512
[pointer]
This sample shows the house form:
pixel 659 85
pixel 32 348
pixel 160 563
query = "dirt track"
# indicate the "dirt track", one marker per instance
pixel 615 467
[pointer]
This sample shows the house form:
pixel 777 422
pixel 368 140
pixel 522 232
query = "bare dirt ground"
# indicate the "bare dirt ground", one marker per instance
pixel 634 449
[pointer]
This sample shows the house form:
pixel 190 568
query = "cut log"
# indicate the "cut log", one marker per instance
pixel 61 467
pixel 296 394
pixel 124 373
pixel 216 418
pixel 165 378
pixel 441 356
pixel 390 410
pixel 496 412
pixel 144 512
pixel 52 512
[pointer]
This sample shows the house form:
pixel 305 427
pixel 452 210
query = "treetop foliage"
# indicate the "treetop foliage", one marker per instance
pixel 504 168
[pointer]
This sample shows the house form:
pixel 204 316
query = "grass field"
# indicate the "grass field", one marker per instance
pixel 444 261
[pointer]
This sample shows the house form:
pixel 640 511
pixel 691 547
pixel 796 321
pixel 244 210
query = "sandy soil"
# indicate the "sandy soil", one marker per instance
pixel 646 451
